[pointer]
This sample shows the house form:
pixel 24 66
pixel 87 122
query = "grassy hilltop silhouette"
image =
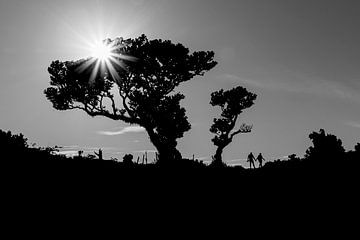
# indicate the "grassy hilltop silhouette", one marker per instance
pixel 327 153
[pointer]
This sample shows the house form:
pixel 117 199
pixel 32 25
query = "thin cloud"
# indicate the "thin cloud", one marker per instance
pixel 353 124
pixel 131 129
pixel 300 83
pixel 236 160
pixel 84 148
pixel 143 151
pixel 235 78
pixel 70 147
pixel 67 153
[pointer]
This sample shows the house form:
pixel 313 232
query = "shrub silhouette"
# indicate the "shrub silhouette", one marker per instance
pixel 327 149
pixel 232 103
pixel 357 148
pixel 12 145
pixel 144 79
pixel 127 159
pixel 16 142
pixel 354 155
pixel 15 146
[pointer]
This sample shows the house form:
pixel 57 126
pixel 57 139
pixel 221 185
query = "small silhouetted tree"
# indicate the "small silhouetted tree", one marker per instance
pixel 326 149
pixel 138 89
pixel 232 103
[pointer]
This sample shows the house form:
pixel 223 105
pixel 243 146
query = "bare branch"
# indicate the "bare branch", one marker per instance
pixel 113 105
pixel 104 113
pixel 243 129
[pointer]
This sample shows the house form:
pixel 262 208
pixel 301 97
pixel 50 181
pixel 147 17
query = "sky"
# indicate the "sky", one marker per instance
pixel 302 59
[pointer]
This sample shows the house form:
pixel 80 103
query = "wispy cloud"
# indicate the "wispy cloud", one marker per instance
pixel 131 129
pixel 236 162
pixel 144 151
pixel 353 124
pixel 231 77
pixel 67 153
pixel 300 83
pixel 205 159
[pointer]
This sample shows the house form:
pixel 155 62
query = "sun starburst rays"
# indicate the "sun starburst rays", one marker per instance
pixel 104 60
pixel 101 51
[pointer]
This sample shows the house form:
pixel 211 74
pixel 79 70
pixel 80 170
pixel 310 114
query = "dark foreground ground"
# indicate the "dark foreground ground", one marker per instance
pixel 181 197
pixel 40 192
pixel 188 173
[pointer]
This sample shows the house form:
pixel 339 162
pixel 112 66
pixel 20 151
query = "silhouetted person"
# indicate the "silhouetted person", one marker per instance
pixel 99 155
pixel 80 153
pixel 260 159
pixel 251 160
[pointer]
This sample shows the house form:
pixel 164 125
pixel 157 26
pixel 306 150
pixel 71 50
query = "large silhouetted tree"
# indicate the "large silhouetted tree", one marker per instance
pixel 232 104
pixel 137 89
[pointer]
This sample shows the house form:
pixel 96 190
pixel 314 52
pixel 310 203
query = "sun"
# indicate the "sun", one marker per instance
pixel 104 58
pixel 101 51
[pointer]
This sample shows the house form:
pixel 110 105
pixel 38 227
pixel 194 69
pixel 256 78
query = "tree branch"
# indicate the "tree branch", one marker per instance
pixel 104 113
pixel 113 106
pixel 243 129
pixel 233 122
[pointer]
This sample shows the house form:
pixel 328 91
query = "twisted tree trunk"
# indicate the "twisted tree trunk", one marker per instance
pixel 217 159
pixel 167 150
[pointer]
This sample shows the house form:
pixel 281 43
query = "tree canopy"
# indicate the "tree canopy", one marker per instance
pixel 139 88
